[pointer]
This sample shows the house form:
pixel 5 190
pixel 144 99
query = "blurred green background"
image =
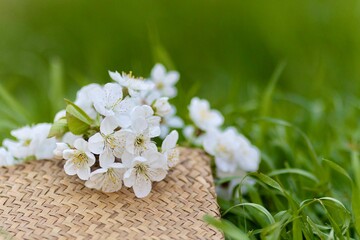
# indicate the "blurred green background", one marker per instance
pixel 226 51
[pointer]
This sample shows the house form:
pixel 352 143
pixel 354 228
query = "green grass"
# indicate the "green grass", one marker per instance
pixel 286 73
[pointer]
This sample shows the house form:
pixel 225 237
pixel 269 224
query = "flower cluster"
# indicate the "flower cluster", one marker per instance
pixel 108 132
pixel 233 152
pixel 108 136
pixel 31 143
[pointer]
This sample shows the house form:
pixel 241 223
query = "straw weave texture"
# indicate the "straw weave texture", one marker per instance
pixel 39 201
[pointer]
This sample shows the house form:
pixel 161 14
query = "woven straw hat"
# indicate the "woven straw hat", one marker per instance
pixel 38 201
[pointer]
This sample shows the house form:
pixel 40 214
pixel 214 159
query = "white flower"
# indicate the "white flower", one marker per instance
pixel 164 81
pixel 162 107
pixel 107 100
pixel 170 121
pixel 223 146
pixel 108 143
pixel 144 115
pixel 142 170
pixel 169 149
pixel 84 99
pixel 107 179
pixel 67 142
pixel 144 126
pixel 138 139
pixel 6 159
pixel 204 117
pixel 79 160
pixel 134 85
pixel 231 151
pixel 32 143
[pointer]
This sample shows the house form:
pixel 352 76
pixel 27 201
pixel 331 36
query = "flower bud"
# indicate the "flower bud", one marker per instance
pixel 162 106
pixel 58 152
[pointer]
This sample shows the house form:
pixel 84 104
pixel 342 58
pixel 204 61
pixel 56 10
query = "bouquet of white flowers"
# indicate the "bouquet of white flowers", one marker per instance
pixel 107 135
pixel 110 135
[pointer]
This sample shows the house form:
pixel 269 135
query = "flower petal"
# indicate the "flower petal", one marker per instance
pixel 113 93
pixel 170 141
pixel 154 126
pixel 155 159
pixel 81 145
pixel 143 111
pixel 129 177
pixel 106 158
pixel 172 78
pixel 45 149
pixel 112 184
pixel 158 72
pixel 115 76
pixel 142 186
pixel 91 159
pixel 157 174
pixel 123 120
pixel 127 158
pixel 108 125
pixel 68 153
pixel 70 138
pixel 175 122
pixel 139 125
pixel 60 148
pixel 96 179
pixel 69 168
pixel 84 173
pixel 96 144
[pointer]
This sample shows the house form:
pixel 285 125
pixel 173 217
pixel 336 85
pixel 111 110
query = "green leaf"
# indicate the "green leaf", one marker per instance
pixel 227 228
pixel 337 168
pixel 14 105
pixel 78 121
pixel 355 205
pixel 316 230
pixel 267 180
pixel 294 171
pixel 296 229
pixel 228 179
pixel 59 128
pixel 337 214
pixel 280 122
pixel 270 219
pixel 355 198
pixel 266 101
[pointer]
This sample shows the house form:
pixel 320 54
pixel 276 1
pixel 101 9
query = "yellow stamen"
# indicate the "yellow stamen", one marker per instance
pixel 80 159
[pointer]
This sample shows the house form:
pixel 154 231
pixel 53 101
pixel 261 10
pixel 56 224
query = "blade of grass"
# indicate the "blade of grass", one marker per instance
pixel 266 101
pixel 298 130
pixel 227 228
pixel 56 92
pixel 159 52
pixel 259 208
pixel 294 171
pixel 13 104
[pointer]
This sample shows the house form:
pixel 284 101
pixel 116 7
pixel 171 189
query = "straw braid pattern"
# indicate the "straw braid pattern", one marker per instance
pixel 39 201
